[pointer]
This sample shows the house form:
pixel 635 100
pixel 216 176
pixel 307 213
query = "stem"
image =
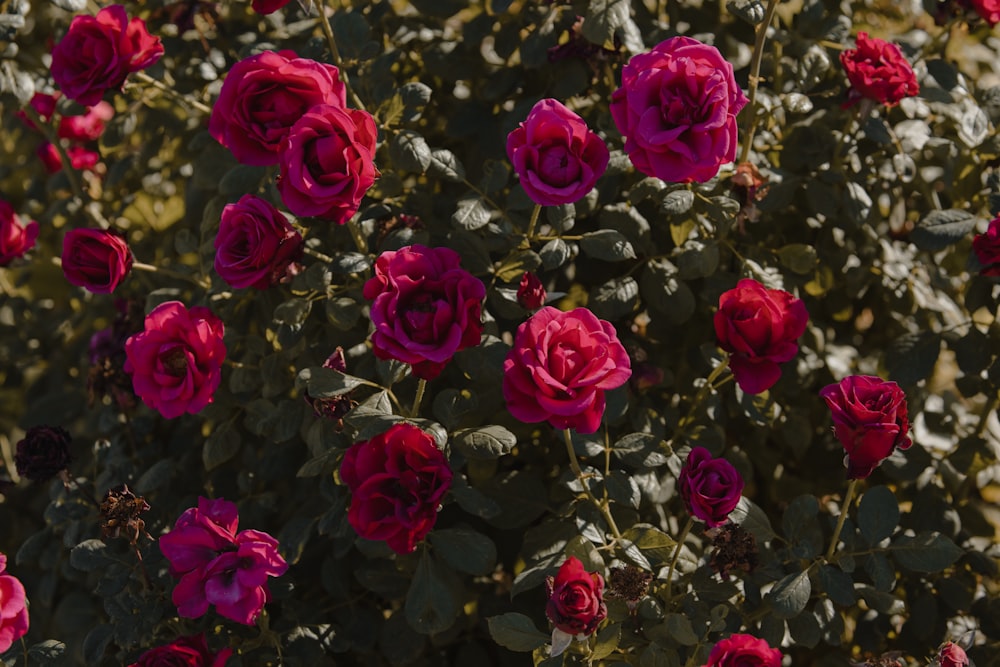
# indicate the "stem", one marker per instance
pixel 985 415
pixel 46 129
pixel 141 266
pixel 335 53
pixel 574 465
pixel 173 94
pixel 421 386
pixel 677 551
pixel 317 254
pixel 358 236
pixel 703 392
pixel 754 80
pixel 843 517
pixel 534 221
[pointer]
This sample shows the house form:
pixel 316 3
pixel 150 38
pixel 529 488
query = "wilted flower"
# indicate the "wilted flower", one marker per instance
pixel 120 510
pixel 43 453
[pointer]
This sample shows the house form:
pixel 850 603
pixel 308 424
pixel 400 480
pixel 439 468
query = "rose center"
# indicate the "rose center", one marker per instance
pixel 418 316
pixel 174 362
pixel 558 166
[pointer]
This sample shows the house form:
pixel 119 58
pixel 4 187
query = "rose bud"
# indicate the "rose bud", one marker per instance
pixel 952 655
pixel 531 292
pixel 15 238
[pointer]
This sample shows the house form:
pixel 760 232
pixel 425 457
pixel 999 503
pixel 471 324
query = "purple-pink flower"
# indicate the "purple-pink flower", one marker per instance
pixel 13 608
pixel 219 566
pixel 710 487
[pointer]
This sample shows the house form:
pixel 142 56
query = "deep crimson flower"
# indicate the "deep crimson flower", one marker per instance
pixel 43 453
pixel 95 259
pixel 530 292
pixel 986 246
pixel 13 608
pixel 878 71
pixel 15 238
pixel 255 244
pixel 183 652
pixel 710 487
pixel 397 481
pixel 869 419
pixel 268 6
pixel 576 598
pixel 743 651
pixel 989 10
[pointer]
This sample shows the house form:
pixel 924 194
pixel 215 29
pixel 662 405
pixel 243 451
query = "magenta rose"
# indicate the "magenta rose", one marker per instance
pixel 183 652
pixel 15 238
pixel 176 361
pixel 677 109
pixel 263 96
pixel 255 244
pixel 98 52
pixel 218 565
pixel 425 307
pixel 79 157
pixel 88 126
pixel 986 247
pixel 559 367
pixel 989 10
pixel 952 655
pixel 530 292
pixel 268 6
pixel 759 327
pixel 397 481
pixel 710 487
pixel 13 608
pixel 877 70
pixel 328 163
pixel 576 598
pixel 556 156
pixel 869 419
pixel 95 259
pixel 743 651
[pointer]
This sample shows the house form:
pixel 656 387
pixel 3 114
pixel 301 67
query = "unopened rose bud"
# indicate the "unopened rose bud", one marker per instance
pixel 530 293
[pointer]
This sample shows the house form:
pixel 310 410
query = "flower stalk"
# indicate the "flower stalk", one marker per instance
pixel 845 508
pixel 574 465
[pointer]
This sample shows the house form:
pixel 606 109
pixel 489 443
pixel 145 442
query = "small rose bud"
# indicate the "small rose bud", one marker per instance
pixel 530 293
pixel 952 655
pixel 334 407
pixel 43 453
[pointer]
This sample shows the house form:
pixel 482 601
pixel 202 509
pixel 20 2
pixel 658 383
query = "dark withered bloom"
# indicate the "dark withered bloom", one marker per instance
pixel 43 453
pixel 120 512
pixel 735 548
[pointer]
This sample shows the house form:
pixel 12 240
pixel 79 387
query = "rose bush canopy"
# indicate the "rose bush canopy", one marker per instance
pixel 499 333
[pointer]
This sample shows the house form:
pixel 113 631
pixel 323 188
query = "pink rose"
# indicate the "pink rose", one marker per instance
pixel 255 244
pixel 98 52
pixel 677 109
pixel 989 10
pixel 952 655
pixel 557 157
pixel 710 488
pixel 328 163
pixel 44 105
pixel 183 652
pixel 425 307
pixel 760 328
pixel 219 566
pixel 263 96
pixel 95 259
pixel 397 481
pixel 559 367
pixel 176 361
pixel 869 419
pixel 79 157
pixel 576 598
pixel 268 6
pixel 15 238
pixel 877 70
pixel 88 126
pixel 987 249
pixel 743 651
pixel 530 292
pixel 13 608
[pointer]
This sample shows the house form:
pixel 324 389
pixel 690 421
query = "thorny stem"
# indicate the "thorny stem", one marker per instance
pixel 324 22
pixel 755 61
pixel 173 94
pixel 574 465
pixel 71 174
pixel 146 581
pixel 534 221
pixel 317 254
pixel 845 508
pixel 421 386
pixel 677 549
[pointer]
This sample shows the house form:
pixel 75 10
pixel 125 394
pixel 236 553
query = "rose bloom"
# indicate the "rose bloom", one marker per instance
pixel 183 652
pixel 869 420
pixel 576 598
pixel 43 453
pixel 263 96
pixel 268 6
pixel 530 292
pixel 13 608
pixel 15 238
pixel 759 327
pixel 743 651
pixel 677 109
pixel 559 367
pixel 328 163
pixel 79 157
pixel 88 126
pixel 877 70
pixel 710 488
pixel 219 566
pixel 556 156
pixel 176 361
pixel 989 10
pixel 987 249
pixel 255 244
pixel 425 307
pixel 95 259
pixel 952 655
pixel 98 52
pixel 397 481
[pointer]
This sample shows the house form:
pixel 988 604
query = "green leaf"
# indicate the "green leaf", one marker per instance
pixel 604 18
pixel 940 229
pixel 642 450
pixel 326 383
pixel 751 517
pixel 96 643
pixel 409 152
pixel 487 443
pixel 242 179
pixel 614 299
pixel 680 630
pixel 220 446
pixel 878 514
pixel 293 312
pixel 432 604
pixel 677 202
pixel 350 262
pixel 790 595
pixel 514 265
pixel 414 96
pixel 926 552
pixel 655 545
pixel 606 641
pixel 90 555
pixel 837 585
pixel 912 356
pixel 465 550
pixel 156 476
pixel 516 632
pixel 805 630
pixel 554 254
pixel 877 567
pixel 665 293
pixel 446 165
pixel 47 652
pixel 798 258
pixel 472 500
pixel 472 213
pixel 607 244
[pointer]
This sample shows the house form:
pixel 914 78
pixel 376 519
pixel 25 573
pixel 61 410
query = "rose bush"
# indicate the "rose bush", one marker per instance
pixel 95 259
pixel 255 245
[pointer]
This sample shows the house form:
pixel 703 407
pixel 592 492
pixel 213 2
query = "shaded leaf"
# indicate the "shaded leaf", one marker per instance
pixel 465 549
pixel 925 552
pixel 516 632
pixel 878 514
pixel 790 595
pixel 939 229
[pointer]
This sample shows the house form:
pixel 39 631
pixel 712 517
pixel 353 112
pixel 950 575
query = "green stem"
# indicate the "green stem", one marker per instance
pixel 141 266
pixel 534 221
pixel 173 94
pixel 45 128
pixel 574 465
pixel 421 386
pixel 843 517
pixel 677 550
pixel 359 238
pixel 335 53
pixel 703 392
pixel 755 61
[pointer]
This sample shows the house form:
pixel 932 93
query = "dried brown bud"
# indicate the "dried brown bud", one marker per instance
pixel 629 583
pixel 120 512
pixel 735 549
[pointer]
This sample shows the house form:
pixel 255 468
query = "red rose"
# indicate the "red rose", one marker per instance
pixel 878 71
pixel 425 307
pixel 95 259
pixel 710 488
pixel 88 126
pixel 576 598
pixel 869 419
pixel 176 361
pixel 952 655
pixel 79 157
pixel 183 652
pixel 14 619
pixel 328 163
pixel 743 651
pixel 15 238
pixel 263 96
pixel 987 249
pixel 759 327
pixel 268 6
pixel 677 109
pixel 530 292
pixel 397 481
pixel 559 367
pixel 989 10
pixel 556 156
pixel 255 244
pixel 44 105
pixel 98 52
